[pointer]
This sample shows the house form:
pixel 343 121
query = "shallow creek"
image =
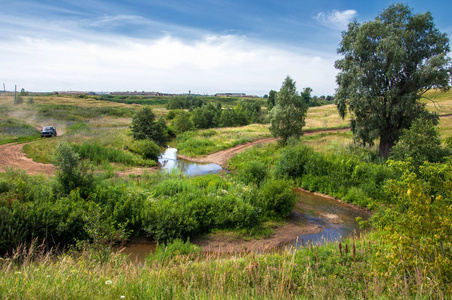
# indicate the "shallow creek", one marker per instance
pixel 169 162
pixel 334 219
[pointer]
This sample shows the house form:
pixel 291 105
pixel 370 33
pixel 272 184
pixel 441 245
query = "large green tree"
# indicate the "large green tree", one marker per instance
pixel 388 64
pixel 288 115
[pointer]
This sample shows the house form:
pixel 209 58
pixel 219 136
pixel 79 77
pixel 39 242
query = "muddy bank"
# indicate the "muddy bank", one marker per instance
pixel 295 226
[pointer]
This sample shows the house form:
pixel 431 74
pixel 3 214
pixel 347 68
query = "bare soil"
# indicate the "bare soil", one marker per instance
pixel 12 156
pixel 283 235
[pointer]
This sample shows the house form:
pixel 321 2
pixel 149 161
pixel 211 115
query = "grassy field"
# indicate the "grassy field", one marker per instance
pixel 362 267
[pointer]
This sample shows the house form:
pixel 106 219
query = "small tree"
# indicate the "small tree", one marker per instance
pixel 271 100
pixel 421 143
pixel 71 174
pixel 288 116
pixel 144 126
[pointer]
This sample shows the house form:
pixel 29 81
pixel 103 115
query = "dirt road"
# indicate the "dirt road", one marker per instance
pixel 12 156
pixel 221 157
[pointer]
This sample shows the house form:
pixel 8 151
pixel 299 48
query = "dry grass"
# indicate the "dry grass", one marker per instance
pixel 325 117
pixel 439 102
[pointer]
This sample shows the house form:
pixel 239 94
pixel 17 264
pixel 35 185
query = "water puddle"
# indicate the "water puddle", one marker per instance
pixel 169 162
pixel 338 220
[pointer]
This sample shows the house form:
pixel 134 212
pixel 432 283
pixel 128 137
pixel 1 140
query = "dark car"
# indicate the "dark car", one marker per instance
pixel 48 131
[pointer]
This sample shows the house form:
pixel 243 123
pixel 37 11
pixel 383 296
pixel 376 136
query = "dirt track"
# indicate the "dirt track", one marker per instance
pixel 221 157
pixel 12 156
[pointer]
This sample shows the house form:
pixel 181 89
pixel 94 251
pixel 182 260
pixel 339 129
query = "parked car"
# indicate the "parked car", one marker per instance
pixel 48 131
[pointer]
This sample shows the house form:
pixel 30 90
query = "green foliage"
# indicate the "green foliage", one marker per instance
pixel 420 143
pixel 206 116
pixel 71 174
pixel 254 172
pixel 345 176
pixel 388 64
pixel 99 154
pixel 144 127
pixel 288 115
pixel 182 122
pixel 80 113
pixel 419 226
pixel 146 148
pixel 15 131
pixel 271 100
pixel 278 200
pixel 189 102
pixel 292 161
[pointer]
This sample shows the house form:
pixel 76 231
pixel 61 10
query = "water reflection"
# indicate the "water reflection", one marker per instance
pixel 337 219
pixel 169 162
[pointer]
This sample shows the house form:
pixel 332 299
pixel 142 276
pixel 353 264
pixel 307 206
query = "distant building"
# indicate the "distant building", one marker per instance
pixel 239 95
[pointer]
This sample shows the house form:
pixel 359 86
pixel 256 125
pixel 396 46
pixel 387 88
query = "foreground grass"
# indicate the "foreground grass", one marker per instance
pixel 312 272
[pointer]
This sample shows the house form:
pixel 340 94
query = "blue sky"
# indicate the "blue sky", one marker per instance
pixel 205 46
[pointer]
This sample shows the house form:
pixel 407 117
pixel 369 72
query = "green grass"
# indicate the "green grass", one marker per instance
pixel 207 141
pixel 312 272
pixel 12 131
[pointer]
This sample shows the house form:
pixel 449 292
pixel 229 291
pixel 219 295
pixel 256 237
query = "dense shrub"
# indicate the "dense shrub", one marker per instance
pixel 418 226
pixel 277 200
pixel 254 172
pixel 292 161
pixel 146 148
pixel 420 143
pixel 345 176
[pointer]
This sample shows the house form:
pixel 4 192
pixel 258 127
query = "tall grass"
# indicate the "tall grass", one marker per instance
pixel 99 154
pixel 312 272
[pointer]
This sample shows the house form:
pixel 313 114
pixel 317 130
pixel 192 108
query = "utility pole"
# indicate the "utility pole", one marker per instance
pixel 4 89
pixel 15 94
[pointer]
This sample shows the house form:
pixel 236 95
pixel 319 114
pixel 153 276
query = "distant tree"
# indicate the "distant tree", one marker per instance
pixel 23 92
pixel 289 113
pixel 206 116
pixel 388 64
pixel 306 95
pixel 271 100
pixel 228 118
pixel 182 122
pixel 144 126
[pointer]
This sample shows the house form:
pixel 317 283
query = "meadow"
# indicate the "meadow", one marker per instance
pixel 56 243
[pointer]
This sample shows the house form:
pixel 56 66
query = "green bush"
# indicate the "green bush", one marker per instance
pixel 71 174
pixel 278 200
pixel 292 161
pixel 254 172
pixel 146 148
pixel 420 143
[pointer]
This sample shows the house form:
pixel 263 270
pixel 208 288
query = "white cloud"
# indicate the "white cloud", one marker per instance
pixel 208 64
pixel 337 19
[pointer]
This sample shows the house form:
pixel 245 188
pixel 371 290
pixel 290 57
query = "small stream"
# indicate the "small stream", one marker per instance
pixel 169 162
pixel 335 219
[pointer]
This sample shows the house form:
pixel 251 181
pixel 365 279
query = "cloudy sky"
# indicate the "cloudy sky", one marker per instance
pixel 205 46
